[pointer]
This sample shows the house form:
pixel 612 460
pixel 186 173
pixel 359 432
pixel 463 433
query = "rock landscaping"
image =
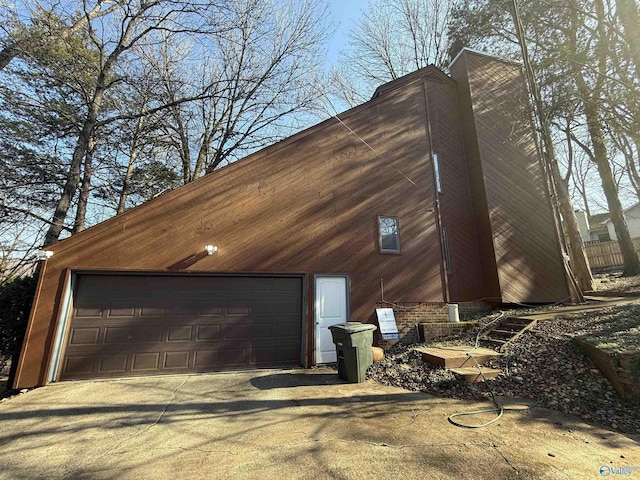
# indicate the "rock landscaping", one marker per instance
pixel 544 364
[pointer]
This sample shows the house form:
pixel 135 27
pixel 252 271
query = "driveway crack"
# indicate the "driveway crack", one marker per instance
pixel 497 449
pixel 111 449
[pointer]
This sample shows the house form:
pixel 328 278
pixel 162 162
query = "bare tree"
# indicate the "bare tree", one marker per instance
pixel 127 25
pixel 257 87
pixel 590 92
pixel 245 75
pixel 391 39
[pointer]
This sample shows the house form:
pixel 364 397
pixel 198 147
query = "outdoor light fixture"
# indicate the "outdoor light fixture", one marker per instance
pixel 43 254
pixel 210 249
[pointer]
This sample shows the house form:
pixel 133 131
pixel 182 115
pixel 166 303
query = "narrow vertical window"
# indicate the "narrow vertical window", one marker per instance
pixel 389 234
pixel 436 170
pixel 445 248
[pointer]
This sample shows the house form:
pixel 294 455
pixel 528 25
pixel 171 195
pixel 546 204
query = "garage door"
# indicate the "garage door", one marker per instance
pixel 156 324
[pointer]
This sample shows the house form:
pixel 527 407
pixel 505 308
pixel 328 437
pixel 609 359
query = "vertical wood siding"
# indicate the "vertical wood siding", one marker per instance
pixel 456 209
pixel 490 290
pixel 525 242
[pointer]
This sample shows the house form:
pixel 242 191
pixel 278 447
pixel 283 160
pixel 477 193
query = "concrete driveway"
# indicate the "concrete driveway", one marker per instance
pixel 285 424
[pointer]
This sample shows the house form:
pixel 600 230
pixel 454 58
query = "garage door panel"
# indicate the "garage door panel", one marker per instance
pixel 208 332
pixel 173 360
pixel 84 336
pixel 179 333
pixel 153 324
pixel 223 357
pixel 146 361
pixel 211 310
pixel 113 363
pixel 147 334
pixel 121 312
pixel 88 312
pixel 116 335
pixel 78 364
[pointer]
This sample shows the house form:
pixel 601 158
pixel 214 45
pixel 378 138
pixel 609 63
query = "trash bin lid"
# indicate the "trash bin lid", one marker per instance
pixel 353 327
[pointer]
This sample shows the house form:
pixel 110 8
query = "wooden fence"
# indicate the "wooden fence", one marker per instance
pixel 607 254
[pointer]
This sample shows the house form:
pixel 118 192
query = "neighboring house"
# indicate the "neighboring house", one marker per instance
pixel 632 216
pixel 593 228
pixel 430 192
pixel 599 228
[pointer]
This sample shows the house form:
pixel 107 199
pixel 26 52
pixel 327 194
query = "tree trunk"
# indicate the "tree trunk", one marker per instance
pixel 126 182
pixel 85 188
pixel 627 12
pixel 590 96
pixel 83 143
pixel 631 263
pixel 8 53
pixel 133 156
pixel 73 175
pixel 578 276
pixel 185 153
pixel 632 171
pixel 579 261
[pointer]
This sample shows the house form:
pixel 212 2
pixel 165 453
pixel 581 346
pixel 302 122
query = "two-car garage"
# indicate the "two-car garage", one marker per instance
pixel 144 324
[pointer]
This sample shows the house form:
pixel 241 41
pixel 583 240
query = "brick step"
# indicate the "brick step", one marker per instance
pixel 455 357
pixel 472 374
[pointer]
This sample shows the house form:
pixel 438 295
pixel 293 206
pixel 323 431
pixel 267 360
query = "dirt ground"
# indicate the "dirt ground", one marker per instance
pixel 613 281
pixel 544 365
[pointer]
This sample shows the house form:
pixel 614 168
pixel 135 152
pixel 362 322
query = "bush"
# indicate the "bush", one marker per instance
pixel 16 298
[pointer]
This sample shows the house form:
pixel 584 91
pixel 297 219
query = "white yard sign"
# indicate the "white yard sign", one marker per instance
pixel 387 323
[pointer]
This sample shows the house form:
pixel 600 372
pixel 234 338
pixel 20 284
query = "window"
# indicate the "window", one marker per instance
pixel 604 237
pixel 436 169
pixel 389 234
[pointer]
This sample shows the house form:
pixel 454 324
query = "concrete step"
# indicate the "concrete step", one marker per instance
pixel 472 374
pixel 455 357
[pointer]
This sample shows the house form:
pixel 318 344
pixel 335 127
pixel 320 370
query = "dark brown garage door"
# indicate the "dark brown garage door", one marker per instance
pixel 156 324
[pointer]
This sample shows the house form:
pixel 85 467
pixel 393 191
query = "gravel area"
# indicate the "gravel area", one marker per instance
pixel 614 281
pixel 543 364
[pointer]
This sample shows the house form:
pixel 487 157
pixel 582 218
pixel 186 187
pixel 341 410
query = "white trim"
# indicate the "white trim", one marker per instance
pixel 63 320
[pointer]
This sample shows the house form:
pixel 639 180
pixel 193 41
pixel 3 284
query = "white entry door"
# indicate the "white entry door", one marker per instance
pixel 330 308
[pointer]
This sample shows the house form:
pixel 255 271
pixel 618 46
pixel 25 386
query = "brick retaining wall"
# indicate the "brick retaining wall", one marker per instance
pixel 409 315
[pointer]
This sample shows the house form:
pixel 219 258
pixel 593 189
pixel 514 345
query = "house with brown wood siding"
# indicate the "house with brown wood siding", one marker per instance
pixel 430 193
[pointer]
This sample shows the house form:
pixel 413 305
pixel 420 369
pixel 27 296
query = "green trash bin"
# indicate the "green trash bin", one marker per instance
pixel 353 341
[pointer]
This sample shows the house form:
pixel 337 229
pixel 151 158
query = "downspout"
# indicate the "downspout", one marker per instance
pixel 438 217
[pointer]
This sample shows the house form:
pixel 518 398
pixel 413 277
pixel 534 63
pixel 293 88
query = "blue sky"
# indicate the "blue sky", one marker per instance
pixel 343 13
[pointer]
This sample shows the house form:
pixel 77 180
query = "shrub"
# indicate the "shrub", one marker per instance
pixel 16 298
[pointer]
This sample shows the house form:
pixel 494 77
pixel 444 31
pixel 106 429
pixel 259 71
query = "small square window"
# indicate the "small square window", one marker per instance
pixel 389 234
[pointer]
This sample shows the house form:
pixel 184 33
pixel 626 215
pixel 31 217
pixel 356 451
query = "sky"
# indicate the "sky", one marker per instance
pixel 343 13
